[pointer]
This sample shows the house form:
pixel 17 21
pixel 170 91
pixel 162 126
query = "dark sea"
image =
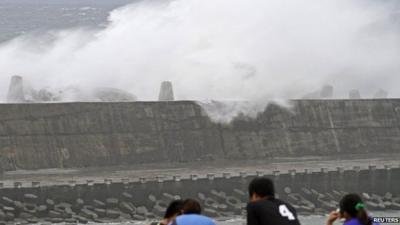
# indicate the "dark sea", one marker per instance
pixel 19 17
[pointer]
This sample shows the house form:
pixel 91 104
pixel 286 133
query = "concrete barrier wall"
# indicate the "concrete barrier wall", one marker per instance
pixel 99 134
pixel 317 127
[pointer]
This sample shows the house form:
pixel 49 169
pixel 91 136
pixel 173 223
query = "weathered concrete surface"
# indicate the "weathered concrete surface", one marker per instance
pixel 317 127
pixel 67 135
pixel 96 134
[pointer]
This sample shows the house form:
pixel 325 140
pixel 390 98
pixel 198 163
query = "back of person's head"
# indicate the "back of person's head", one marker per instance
pixel 262 187
pixel 191 206
pixel 353 205
pixel 174 209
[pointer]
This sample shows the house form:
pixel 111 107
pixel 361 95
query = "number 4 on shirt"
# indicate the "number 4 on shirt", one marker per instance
pixel 285 212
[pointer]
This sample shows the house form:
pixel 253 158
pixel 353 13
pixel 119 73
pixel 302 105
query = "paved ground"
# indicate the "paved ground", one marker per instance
pixel 151 171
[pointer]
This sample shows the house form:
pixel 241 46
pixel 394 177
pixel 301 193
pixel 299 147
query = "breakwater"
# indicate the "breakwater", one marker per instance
pixel 71 135
pixel 222 195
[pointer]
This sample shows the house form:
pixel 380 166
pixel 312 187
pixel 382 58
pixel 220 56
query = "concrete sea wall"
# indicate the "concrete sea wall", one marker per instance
pixel 318 127
pixel 222 195
pixel 65 135
pixel 99 134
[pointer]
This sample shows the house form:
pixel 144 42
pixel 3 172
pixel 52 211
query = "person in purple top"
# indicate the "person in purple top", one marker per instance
pixel 352 210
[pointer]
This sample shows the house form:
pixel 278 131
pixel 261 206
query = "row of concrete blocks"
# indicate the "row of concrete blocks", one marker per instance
pixel 216 204
pixel 209 176
pixel 311 202
pixel 32 208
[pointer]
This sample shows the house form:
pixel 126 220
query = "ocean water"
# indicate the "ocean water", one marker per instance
pixel 20 17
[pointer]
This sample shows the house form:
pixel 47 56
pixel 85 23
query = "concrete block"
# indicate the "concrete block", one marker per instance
pixel 326 91
pixel 17 184
pixel 16 90
pixel 226 175
pixel 210 176
pixel 125 180
pixel 113 214
pixel 354 94
pixel 166 92
pixel 99 204
pixel 108 181
pixel 71 183
pixel 160 179
pixel 193 176
pixel 112 202
pixel 372 167
pixel 260 173
pixel 35 184
pixel 177 178
pixel 381 94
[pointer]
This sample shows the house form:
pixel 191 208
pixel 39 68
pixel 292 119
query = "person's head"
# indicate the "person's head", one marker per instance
pixel 174 209
pixel 191 206
pixel 352 206
pixel 261 188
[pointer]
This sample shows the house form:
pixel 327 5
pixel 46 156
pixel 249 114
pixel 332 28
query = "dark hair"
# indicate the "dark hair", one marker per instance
pixel 191 206
pixel 262 187
pixel 353 205
pixel 174 208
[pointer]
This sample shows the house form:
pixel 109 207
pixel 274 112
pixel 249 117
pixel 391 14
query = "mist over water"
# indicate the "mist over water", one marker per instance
pixel 253 50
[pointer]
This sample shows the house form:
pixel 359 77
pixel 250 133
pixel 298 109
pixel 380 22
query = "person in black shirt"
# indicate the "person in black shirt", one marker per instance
pixel 265 209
